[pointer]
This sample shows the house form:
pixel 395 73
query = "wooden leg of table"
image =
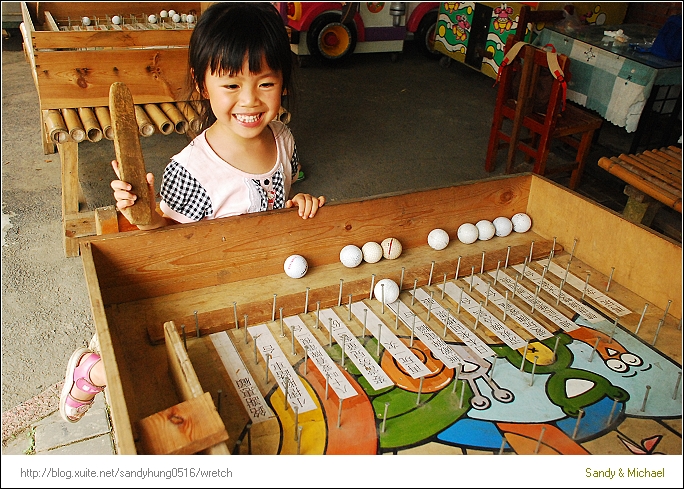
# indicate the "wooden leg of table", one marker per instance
pixel 68 155
pixel 640 207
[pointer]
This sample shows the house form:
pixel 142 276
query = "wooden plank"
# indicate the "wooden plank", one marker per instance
pixel 44 40
pixel 180 367
pixel 404 216
pixel 76 10
pixel 653 270
pixel 50 22
pixel 83 78
pixel 119 410
pixel 183 429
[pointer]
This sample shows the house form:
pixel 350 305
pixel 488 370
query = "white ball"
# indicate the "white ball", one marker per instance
pixel 296 266
pixel 152 19
pixel 163 14
pixel 467 233
pixel 485 230
pixel 171 12
pixel 176 18
pixel 438 239
pixel 184 17
pixel 372 252
pixel 391 248
pixel 190 18
pixel 503 226
pixel 351 256
pixel 85 20
pixel 116 20
pixel 390 291
pixel 521 222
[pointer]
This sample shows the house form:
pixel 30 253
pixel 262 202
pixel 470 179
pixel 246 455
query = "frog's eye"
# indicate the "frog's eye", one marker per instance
pixel 616 365
pixel 631 359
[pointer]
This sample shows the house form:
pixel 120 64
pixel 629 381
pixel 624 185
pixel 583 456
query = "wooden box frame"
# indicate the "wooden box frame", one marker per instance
pixel 193 274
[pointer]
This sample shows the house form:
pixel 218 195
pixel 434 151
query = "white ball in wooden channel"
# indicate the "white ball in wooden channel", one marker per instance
pixel 503 226
pixel 184 17
pixel 438 239
pixel 152 19
pixel 296 266
pixel 171 12
pixel 391 248
pixel 190 18
pixel 351 256
pixel 467 233
pixel 176 18
pixel 386 289
pixel 521 222
pixel 163 14
pixel 372 252
pixel 85 20
pixel 485 230
pixel 116 20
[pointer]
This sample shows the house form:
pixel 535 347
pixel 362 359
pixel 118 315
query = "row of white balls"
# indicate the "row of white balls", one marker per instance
pixel 468 233
pixel 152 18
pixel 351 255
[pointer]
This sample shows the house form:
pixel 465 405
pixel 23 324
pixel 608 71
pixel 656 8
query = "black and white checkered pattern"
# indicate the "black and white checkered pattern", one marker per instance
pixel 184 194
pixel 294 163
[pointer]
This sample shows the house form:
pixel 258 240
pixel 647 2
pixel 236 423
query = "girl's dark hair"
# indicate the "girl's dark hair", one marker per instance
pixel 227 32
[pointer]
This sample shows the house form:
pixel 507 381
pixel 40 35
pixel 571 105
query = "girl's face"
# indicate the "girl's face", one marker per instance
pixel 245 103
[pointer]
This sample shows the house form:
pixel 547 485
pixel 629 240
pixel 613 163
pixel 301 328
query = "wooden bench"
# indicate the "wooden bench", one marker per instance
pixel 73 67
pixel 653 178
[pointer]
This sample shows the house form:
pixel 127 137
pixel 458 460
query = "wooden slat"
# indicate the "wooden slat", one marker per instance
pixel 82 78
pixel 111 39
pixel 50 21
pixel 180 366
pixel 62 10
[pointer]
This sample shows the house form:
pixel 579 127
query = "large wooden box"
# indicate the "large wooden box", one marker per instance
pixel 220 276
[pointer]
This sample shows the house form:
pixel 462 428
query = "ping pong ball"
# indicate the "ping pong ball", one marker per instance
pixel 372 252
pixel 85 20
pixel 171 13
pixel 190 18
pixel 296 266
pixel 386 290
pixel 152 19
pixel 351 256
pixel 438 239
pixel 485 230
pixel 176 18
pixel 163 14
pixel 467 233
pixel 503 226
pixel 521 222
pixel 116 20
pixel 391 248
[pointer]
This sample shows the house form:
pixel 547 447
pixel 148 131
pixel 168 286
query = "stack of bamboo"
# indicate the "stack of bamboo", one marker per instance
pixel 94 123
pixel 657 173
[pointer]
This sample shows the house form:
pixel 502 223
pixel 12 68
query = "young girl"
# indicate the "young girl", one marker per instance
pixel 240 66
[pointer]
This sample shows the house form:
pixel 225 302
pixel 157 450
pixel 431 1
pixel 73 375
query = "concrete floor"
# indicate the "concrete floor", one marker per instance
pixel 369 127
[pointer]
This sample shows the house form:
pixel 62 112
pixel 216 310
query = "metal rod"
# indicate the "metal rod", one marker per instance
pixel 496 275
pixel 572 252
pixel 370 296
pixel 593 350
pixel 579 417
pixel 543 275
pixel 197 328
pixel 444 285
pixel 553 250
pixel 460 297
pixel 472 273
pixel 330 332
pixel 327 384
pixel 249 438
pixel 382 294
pixel 489 286
pixel 522 275
pixel 318 313
pixel 460 402
pixel 503 444
pixel 420 390
pixel 339 414
pixel 655 338
pixel 430 304
pixel 432 268
pixel 567 270
pixel 536 450
pixel 477 320
pixel 534 302
pixel 306 357
pixel 612 411
pixel 256 357
pixel 246 338
pixel 415 284
pixel 531 248
pixel 218 400
pixel 306 301
pixel 610 278
pixel 508 254
pixel 339 298
pixel 505 307
pixel 446 323
pixel 268 359
pixel 350 303
pixel 555 348
pixel 344 345
pixel 413 326
pixel 384 417
pixel 586 284
pixel 643 406
pixel 491 371
pixel 296 423
pixel 287 386
pixel 643 313
pixel 560 291
pixel 237 324
pixel 274 307
pixel 667 309
pixel 676 389
pixel 282 332
pixel 293 342
pixel 612 333
pixel 458 373
pixel 365 314
pixel 299 439
pixel 458 267
pixel 401 279
pixel 482 264
pixel 515 288
pixel 377 354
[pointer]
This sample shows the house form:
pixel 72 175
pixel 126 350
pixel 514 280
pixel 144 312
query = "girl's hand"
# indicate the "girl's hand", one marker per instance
pixel 125 198
pixel 308 205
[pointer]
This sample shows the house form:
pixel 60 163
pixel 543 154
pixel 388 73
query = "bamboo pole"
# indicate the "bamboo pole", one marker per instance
pixel 105 120
pixel 74 125
pixel 55 125
pixel 633 166
pixel 653 168
pixel 176 116
pixel 190 115
pixel 90 124
pixel 159 119
pixel 145 125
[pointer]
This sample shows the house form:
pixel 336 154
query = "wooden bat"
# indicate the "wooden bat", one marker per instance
pixel 129 152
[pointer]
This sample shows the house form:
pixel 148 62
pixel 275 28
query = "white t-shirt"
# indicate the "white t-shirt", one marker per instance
pixel 197 184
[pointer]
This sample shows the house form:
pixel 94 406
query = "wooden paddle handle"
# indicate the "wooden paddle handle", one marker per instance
pixel 129 152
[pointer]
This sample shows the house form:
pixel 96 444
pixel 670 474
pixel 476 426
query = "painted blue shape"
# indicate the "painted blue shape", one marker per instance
pixel 594 420
pixel 472 433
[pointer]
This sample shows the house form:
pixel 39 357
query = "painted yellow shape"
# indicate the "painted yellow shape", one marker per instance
pixel 314 428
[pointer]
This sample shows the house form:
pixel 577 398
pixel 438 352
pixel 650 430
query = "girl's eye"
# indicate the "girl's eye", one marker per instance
pixel 268 84
pixel 232 87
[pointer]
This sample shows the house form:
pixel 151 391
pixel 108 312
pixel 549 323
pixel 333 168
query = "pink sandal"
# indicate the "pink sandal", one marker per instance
pixel 72 409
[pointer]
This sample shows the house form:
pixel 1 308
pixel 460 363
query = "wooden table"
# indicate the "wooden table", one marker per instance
pixel 653 178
